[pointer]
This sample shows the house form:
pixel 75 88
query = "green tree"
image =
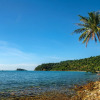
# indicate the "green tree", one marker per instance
pixel 90 27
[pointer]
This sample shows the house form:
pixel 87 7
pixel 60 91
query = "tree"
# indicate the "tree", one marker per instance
pixel 90 27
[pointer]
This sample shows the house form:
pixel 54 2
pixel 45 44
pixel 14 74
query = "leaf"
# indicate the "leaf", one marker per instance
pixel 79 30
pixel 83 19
pixel 83 35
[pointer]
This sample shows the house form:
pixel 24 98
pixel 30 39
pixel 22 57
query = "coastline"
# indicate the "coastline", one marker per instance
pixel 90 91
pixel 63 70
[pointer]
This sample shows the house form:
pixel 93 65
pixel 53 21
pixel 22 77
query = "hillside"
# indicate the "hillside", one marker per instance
pixel 91 64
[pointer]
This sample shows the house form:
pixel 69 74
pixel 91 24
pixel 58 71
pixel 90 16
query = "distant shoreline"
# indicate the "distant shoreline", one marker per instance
pixel 62 71
pixel 42 70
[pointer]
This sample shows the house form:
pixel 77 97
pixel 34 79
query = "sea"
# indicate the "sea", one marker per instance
pixel 36 82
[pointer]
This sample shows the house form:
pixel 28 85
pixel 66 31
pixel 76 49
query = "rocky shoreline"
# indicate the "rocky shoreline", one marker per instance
pixel 90 91
pixel 94 94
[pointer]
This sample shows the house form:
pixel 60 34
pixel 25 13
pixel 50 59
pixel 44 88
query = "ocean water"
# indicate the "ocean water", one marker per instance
pixel 35 82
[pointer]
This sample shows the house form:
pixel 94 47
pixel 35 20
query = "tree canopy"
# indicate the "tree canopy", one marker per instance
pixel 91 64
pixel 90 27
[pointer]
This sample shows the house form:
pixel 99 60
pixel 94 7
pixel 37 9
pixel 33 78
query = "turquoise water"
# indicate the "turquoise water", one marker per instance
pixel 33 82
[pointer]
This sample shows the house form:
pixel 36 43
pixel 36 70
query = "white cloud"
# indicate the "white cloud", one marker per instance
pixel 15 66
pixel 12 58
pixel 3 43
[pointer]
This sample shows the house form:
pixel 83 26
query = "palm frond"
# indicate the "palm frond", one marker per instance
pixel 80 30
pixel 90 27
pixel 91 16
pixel 83 35
pixel 95 39
pixel 83 25
pixel 83 19
pixel 87 40
pixel 98 35
pixel 93 35
pixel 88 35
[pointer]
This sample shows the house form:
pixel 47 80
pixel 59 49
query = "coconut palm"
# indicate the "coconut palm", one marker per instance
pixel 90 27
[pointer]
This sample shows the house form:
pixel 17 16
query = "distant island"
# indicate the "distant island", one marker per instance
pixel 91 64
pixel 20 69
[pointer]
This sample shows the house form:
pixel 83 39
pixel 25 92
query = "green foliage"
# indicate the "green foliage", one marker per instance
pixel 90 27
pixel 91 64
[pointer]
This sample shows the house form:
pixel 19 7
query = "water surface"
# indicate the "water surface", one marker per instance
pixel 33 82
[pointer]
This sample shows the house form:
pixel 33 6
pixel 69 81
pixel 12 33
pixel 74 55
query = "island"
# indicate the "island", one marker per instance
pixel 20 69
pixel 91 64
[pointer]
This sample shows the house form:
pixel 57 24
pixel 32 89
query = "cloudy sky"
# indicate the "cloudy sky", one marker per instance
pixel 33 32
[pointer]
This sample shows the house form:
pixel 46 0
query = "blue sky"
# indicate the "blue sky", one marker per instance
pixel 39 31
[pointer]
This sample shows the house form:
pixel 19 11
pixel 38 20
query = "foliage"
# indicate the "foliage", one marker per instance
pixel 91 64
pixel 20 69
pixel 90 27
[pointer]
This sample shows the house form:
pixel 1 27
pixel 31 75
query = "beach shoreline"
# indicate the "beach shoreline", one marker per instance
pixel 90 91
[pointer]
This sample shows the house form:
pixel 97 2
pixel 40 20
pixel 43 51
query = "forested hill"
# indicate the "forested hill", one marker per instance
pixel 86 64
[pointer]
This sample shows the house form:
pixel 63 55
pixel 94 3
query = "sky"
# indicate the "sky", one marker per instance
pixel 33 32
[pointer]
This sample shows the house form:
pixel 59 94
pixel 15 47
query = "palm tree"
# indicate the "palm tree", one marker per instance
pixel 90 27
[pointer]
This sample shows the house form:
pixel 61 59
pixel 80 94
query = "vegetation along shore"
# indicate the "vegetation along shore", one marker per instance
pixel 91 64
